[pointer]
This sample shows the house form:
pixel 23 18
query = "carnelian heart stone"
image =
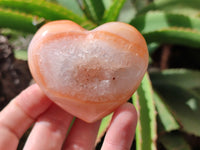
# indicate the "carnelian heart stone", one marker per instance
pixel 88 73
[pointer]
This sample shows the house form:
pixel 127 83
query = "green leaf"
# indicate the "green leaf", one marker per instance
pixel 103 127
pixel 113 12
pixel 188 79
pixel 187 7
pixel 72 5
pixel 17 21
pixel 152 47
pixel 169 28
pixel 146 131
pixel 155 21
pixel 184 105
pixel 21 54
pixel 71 125
pixel 178 36
pixel 138 131
pixel 107 3
pixel 47 10
pixel 94 9
pixel 40 8
pixel 127 12
pixel 166 118
pixel 179 89
pixel 174 141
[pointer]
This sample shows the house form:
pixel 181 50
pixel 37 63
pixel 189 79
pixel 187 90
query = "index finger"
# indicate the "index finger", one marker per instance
pixel 19 114
pixel 122 129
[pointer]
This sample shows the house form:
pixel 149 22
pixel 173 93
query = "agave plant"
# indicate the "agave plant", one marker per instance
pixel 168 99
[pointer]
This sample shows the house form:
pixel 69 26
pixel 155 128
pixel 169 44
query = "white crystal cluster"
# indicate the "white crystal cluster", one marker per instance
pixel 89 69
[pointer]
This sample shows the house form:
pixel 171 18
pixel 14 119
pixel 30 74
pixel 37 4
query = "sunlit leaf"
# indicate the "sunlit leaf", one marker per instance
pixel 155 21
pixel 21 54
pixel 113 12
pixel 169 28
pixel 44 9
pixel 147 117
pixel 187 7
pixel 138 131
pixel 178 36
pixel 72 5
pixel 107 3
pixel 17 21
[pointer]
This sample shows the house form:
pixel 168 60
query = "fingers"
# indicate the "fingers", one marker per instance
pixel 50 130
pixel 122 129
pixel 18 115
pixel 8 140
pixel 52 124
pixel 82 136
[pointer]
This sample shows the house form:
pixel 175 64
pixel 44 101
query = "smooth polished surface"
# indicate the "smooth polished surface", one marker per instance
pixel 88 73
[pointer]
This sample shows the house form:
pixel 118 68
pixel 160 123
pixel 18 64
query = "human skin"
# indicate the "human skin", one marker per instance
pixel 51 123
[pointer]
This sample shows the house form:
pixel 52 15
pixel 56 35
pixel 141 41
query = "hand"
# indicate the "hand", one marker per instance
pixel 52 123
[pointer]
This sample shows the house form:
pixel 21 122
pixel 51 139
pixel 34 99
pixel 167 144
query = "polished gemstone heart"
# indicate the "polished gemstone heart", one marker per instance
pixel 88 73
